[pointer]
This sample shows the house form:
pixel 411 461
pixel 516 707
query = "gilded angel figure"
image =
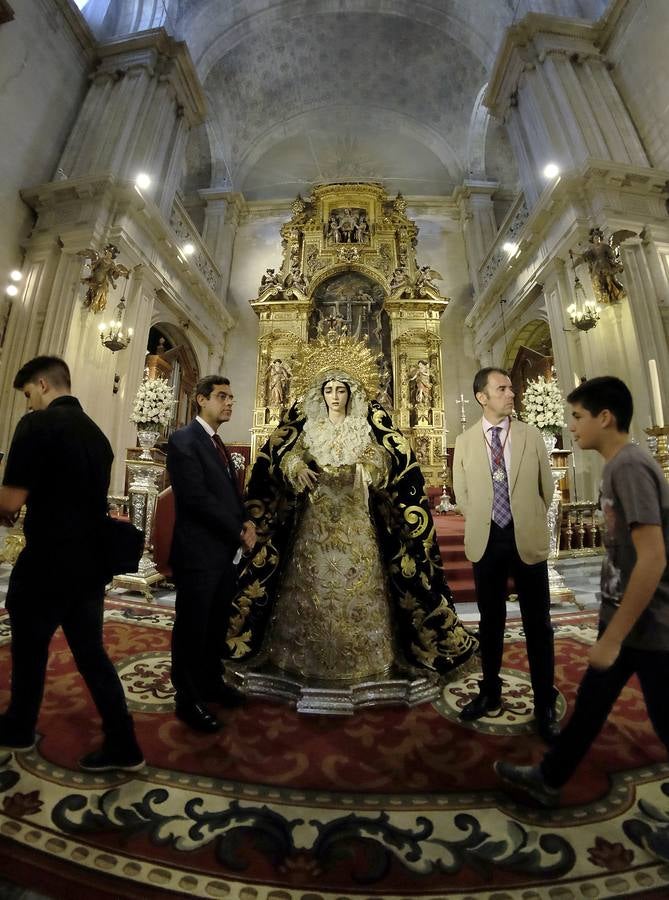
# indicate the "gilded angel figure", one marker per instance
pixel 104 272
pixel 605 265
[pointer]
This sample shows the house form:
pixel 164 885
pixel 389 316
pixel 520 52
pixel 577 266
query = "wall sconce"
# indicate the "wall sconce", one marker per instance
pixel 112 335
pixel 583 313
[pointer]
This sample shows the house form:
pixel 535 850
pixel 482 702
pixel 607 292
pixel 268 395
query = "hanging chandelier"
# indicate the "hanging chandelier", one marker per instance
pixel 112 335
pixel 583 313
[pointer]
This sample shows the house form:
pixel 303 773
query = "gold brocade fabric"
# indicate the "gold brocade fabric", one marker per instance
pixel 332 617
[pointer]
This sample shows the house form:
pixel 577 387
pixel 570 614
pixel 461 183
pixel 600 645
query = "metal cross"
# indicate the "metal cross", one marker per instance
pixel 463 417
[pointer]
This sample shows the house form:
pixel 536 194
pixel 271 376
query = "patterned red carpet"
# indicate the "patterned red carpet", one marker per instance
pixel 389 803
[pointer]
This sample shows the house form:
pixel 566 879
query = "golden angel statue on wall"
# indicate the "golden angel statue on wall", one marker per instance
pixel 104 272
pixel 605 264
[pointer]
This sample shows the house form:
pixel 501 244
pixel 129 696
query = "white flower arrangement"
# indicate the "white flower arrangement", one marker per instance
pixel 543 405
pixel 153 404
pixel 238 461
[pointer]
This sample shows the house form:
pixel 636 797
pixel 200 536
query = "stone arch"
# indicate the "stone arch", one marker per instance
pixel 476 142
pixel 179 365
pixel 529 355
pixel 535 335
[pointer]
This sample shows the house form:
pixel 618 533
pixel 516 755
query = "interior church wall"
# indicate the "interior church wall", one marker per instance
pixel 441 245
pixel 638 52
pixel 43 78
pixel 257 248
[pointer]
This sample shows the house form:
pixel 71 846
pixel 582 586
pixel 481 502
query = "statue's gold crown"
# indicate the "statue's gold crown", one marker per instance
pixel 335 352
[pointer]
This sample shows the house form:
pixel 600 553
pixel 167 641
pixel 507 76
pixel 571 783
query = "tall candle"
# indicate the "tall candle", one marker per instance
pixel 655 391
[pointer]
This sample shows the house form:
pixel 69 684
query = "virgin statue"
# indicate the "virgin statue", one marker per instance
pixel 344 602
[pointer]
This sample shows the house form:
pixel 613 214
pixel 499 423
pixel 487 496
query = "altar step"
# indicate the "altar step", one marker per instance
pixel 450 531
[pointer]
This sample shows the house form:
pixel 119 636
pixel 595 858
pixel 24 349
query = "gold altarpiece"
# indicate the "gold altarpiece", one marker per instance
pixel 349 262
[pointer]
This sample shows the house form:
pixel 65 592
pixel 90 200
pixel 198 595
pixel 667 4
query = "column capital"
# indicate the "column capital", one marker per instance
pixel 229 203
pixel 527 45
pixel 163 57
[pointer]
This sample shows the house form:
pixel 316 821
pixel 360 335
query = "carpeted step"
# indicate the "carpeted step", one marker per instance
pixel 450 531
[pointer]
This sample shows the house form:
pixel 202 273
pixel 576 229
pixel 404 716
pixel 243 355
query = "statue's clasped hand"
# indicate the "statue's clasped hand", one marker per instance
pixel 248 537
pixel 306 479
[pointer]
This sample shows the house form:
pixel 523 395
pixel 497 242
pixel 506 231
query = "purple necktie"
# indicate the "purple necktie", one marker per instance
pixel 501 505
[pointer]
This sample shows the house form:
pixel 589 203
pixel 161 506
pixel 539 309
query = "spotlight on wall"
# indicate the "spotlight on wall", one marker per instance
pixel 143 181
pixel 510 248
pixel 551 170
pixel 188 249
pixel 15 275
pixel 11 290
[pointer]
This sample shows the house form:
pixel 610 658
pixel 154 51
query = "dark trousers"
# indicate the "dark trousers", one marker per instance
pixel 202 611
pixel 491 574
pixel 35 612
pixel 597 693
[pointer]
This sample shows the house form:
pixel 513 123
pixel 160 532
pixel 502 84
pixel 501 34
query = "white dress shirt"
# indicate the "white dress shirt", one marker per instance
pixel 505 429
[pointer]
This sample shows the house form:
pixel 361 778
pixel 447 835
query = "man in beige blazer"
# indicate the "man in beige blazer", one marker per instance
pixel 503 486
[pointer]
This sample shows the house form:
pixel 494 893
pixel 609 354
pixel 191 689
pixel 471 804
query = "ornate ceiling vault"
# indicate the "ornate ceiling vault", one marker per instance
pixel 305 92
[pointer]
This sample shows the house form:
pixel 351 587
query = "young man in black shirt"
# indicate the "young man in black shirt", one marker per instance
pixel 59 466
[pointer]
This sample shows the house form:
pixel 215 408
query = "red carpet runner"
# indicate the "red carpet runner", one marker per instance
pixel 451 539
pixel 390 803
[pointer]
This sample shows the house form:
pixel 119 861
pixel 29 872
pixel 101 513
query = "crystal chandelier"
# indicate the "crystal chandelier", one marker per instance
pixel 112 335
pixel 583 313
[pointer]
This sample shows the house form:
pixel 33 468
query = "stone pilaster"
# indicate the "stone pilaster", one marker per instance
pixel 143 98
pixel 553 87
pixel 221 220
pixel 479 227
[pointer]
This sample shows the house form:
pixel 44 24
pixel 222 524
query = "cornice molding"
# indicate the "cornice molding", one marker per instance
pixel 527 44
pixel 596 175
pixel 108 192
pixel 163 56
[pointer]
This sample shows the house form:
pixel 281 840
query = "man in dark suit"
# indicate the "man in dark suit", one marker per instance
pixel 210 533
pixel 59 466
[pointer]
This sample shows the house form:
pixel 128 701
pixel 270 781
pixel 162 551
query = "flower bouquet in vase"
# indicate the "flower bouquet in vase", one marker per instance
pixel 151 412
pixel 543 406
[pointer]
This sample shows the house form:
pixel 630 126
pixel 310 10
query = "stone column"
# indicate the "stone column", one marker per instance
pixel 477 217
pixel 572 356
pixel 37 325
pixel 143 99
pixel 553 87
pixel 221 220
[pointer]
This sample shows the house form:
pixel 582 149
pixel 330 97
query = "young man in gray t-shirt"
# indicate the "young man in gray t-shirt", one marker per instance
pixel 634 615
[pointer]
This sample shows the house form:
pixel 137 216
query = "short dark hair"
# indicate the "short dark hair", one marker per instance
pixel 206 385
pixel 481 377
pixel 605 392
pixel 52 368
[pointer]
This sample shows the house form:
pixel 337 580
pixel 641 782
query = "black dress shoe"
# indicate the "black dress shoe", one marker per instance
pixel 226 696
pixel 547 724
pixel 482 705
pixel 198 717
pixel 129 760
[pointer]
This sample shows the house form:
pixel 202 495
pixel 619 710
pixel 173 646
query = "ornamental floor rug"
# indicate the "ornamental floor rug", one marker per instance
pixel 390 803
